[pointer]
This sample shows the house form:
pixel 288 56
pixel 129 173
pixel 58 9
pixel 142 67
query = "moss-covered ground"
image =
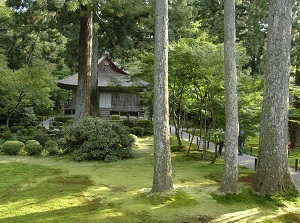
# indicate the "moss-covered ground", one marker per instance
pixel 58 189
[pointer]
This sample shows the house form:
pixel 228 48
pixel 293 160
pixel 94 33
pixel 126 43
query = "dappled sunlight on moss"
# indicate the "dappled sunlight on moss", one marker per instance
pixel 67 191
pixel 239 216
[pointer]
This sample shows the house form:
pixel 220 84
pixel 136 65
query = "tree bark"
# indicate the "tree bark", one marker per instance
pixel 84 73
pixel 273 173
pixel 230 176
pixel 162 179
pixel 94 77
pixel 294 126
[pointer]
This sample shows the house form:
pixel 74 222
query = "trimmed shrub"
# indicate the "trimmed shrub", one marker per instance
pixel 136 140
pixel 147 125
pixel 138 131
pixel 62 146
pixel 97 139
pixel 23 152
pixel 33 147
pixel 15 129
pixel 40 136
pixel 115 117
pixel 41 128
pixel 4 128
pixel 128 123
pixel 12 147
pixel 64 119
pixel 52 147
pixel 5 133
pixel 45 153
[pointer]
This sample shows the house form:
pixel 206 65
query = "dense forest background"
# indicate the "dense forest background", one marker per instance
pixel 39 43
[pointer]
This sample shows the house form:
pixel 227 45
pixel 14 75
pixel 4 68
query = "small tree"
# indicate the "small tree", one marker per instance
pixel 19 89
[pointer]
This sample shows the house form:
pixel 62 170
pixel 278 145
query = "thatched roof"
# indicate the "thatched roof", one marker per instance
pixel 110 77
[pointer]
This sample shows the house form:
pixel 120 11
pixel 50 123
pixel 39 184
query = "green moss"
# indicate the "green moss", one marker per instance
pixel 58 189
pixel 171 199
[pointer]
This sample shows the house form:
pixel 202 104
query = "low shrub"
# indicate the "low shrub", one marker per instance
pixel 128 123
pixel 40 136
pixel 52 147
pixel 33 147
pixel 63 146
pixel 4 128
pixel 115 117
pixel 147 125
pixel 97 139
pixel 45 152
pixel 5 133
pixel 64 119
pixel 138 131
pixel 15 129
pixel 12 147
pixel 41 128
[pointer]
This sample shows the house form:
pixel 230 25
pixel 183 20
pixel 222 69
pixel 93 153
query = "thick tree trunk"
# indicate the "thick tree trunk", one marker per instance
pixel 84 72
pixel 273 173
pixel 294 126
pixel 162 179
pixel 94 78
pixel 230 176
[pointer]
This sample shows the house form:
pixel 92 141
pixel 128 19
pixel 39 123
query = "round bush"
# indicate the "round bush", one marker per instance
pixel 147 125
pixel 33 147
pixel 16 128
pixel 97 139
pixel 138 131
pixel 41 128
pixel 115 117
pixel 128 123
pixel 12 147
pixel 52 147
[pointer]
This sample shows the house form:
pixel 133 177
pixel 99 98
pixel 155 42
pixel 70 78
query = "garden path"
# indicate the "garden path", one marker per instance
pixel 244 160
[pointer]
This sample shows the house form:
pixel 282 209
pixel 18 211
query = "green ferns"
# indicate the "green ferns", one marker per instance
pixel 97 139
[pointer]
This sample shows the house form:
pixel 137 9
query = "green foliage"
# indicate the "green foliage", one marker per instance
pixel 97 193
pixel 138 131
pixel 97 139
pixel 5 133
pixel 128 123
pixel 12 147
pixel 15 129
pixel 147 125
pixel 115 117
pixel 33 147
pixel 52 147
pixel 18 94
pixel 64 119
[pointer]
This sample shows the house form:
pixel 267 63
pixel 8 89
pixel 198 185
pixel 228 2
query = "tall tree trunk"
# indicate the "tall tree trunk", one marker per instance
pixel 94 78
pixel 273 173
pixel 294 126
pixel 162 179
pixel 84 73
pixel 230 176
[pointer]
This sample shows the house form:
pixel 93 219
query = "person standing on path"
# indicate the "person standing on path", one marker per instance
pixel 241 142
pixel 221 145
